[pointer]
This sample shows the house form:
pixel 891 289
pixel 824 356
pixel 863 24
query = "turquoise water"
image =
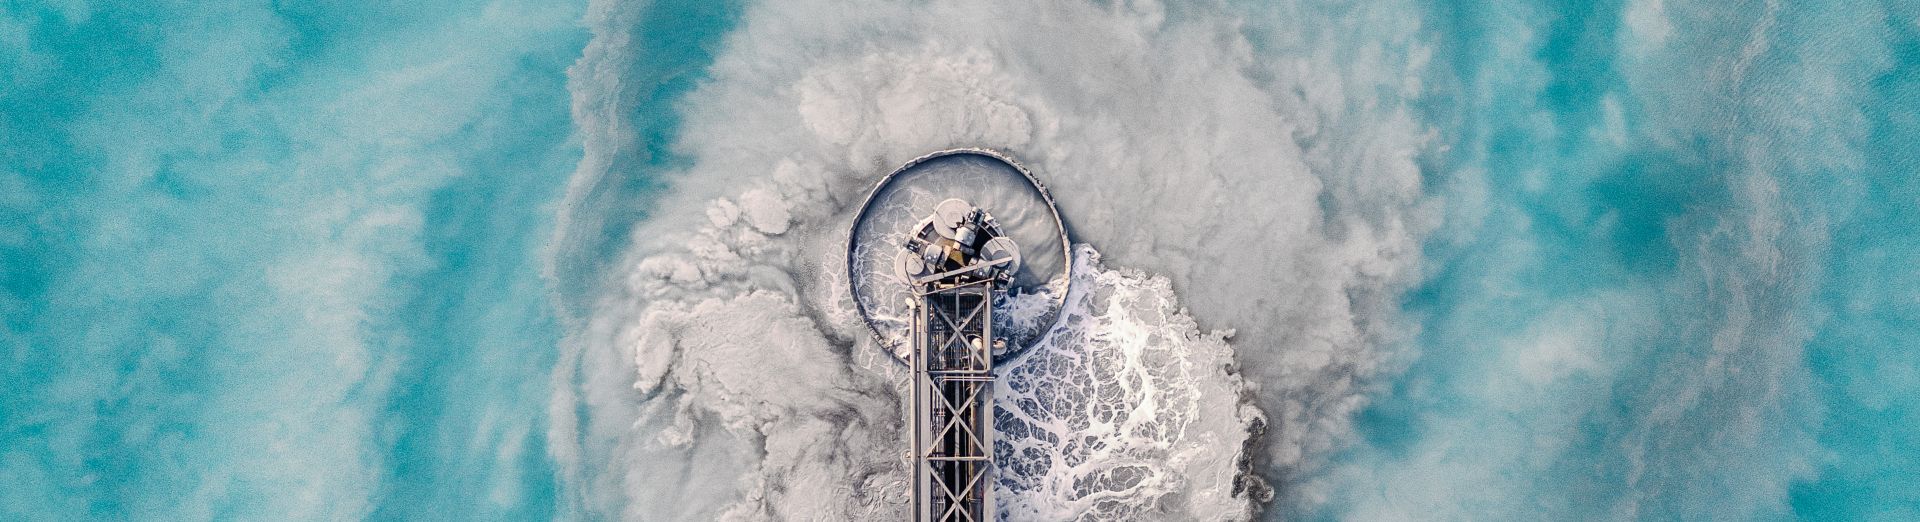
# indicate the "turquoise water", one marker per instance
pixel 264 260
pixel 1707 238
pixel 269 261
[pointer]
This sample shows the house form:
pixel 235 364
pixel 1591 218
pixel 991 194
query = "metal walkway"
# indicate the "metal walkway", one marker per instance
pixel 953 400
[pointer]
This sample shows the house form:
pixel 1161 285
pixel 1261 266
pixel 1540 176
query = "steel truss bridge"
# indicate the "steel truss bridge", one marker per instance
pixel 953 400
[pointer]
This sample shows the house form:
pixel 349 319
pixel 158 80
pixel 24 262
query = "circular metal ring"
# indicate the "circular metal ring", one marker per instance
pixel 984 177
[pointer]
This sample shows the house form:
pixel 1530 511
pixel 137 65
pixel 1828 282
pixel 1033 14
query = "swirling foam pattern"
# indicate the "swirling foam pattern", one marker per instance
pixel 1397 259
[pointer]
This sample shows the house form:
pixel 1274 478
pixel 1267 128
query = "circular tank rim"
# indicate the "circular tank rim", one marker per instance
pixel 1066 246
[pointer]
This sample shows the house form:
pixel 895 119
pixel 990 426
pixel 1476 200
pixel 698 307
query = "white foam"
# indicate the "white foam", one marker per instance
pixel 1279 196
pixel 1128 411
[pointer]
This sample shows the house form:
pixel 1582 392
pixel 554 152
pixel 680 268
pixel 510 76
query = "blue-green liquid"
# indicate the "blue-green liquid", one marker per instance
pixel 164 170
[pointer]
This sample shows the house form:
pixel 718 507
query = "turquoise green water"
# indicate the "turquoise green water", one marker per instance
pixel 273 261
pixel 264 260
pixel 1710 253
